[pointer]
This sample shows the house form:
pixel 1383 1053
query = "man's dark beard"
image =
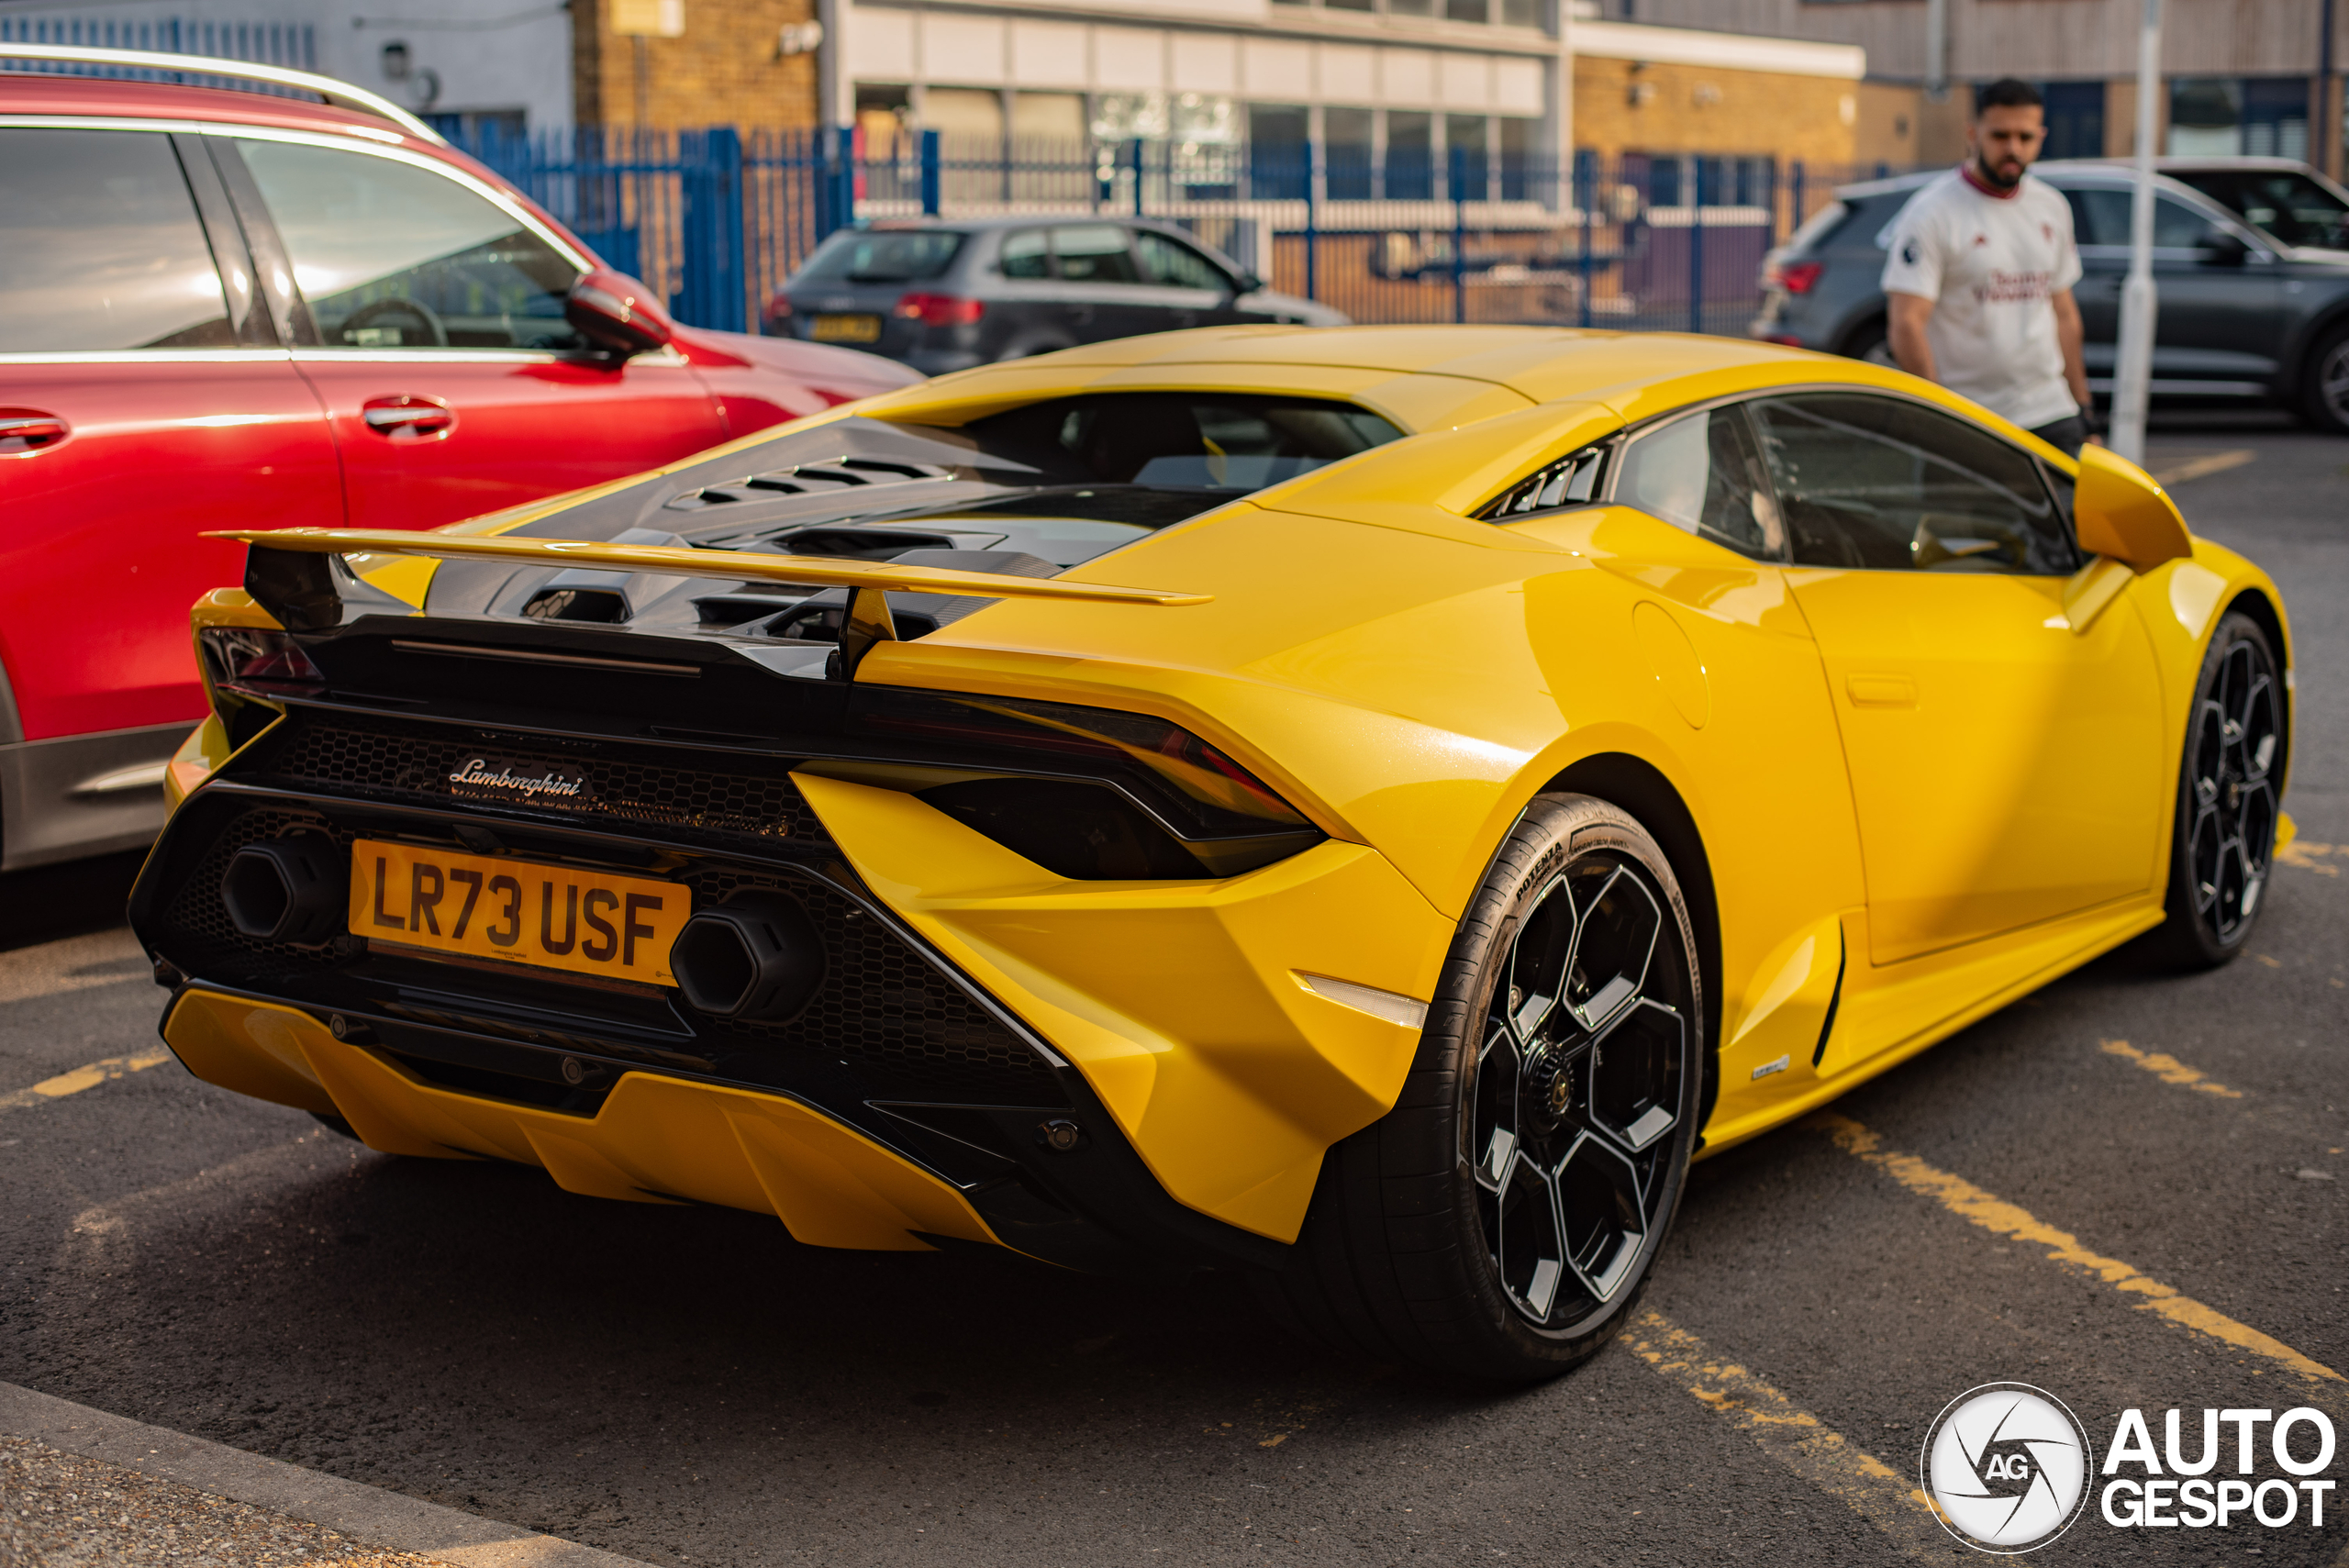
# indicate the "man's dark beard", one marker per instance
pixel 1992 177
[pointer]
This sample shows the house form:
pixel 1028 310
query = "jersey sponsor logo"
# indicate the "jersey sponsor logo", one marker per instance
pixel 2013 288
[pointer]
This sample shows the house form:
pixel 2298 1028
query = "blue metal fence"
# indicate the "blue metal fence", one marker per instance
pixel 291 44
pixel 716 219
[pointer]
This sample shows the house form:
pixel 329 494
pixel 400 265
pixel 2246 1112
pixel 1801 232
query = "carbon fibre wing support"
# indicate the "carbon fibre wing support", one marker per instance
pixel 287 573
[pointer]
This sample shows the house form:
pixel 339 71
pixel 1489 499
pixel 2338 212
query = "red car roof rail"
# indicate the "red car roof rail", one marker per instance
pixel 340 94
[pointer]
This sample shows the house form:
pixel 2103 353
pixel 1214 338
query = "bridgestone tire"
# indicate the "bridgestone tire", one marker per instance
pixel 2222 844
pixel 1425 1239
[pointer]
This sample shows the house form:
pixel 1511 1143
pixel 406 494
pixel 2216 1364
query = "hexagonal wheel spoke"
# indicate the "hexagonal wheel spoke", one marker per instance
pixel 1578 1085
pixel 1613 946
pixel 2231 833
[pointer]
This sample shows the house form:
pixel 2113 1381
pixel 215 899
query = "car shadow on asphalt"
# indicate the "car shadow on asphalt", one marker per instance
pixel 49 902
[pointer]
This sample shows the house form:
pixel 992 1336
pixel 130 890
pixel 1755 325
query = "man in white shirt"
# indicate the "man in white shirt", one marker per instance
pixel 1979 280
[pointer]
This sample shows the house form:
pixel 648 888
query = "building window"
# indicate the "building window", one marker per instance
pixel 1465 156
pixel 2075 119
pixel 1276 152
pixel 2261 116
pixel 1468 10
pixel 1522 168
pixel 1410 156
pixel 1347 153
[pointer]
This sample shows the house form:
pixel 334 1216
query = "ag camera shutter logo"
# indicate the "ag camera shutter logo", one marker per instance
pixel 2007 1467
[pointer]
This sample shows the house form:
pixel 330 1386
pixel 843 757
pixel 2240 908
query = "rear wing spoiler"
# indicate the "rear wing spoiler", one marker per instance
pixel 285 574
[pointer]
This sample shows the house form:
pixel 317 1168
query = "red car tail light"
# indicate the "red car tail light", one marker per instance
pixel 940 309
pixel 1799 276
pixel 260 659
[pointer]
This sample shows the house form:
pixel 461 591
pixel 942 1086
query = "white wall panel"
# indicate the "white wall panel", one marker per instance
pixel 1278 70
pixel 1129 58
pixel 963 49
pixel 1206 63
pixel 1048 54
pixel 881 44
pixel 1348 73
pixel 1406 77
pixel 1517 84
pixel 1466 80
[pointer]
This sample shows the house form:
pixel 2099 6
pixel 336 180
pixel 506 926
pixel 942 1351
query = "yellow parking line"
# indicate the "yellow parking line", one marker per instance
pixel 82 1078
pixel 2168 1069
pixel 2205 466
pixel 1965 1199
pixel 1795 1437
pixel 2309 856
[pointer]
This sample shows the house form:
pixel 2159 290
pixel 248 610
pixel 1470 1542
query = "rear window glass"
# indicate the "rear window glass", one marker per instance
pixel 1209 441
pixel 2287 204
pixel 882 256
pixel 100 247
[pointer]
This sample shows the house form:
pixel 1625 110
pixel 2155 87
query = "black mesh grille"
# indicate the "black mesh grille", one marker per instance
pixel 385 759
pixel 882 1007
pixel 200 920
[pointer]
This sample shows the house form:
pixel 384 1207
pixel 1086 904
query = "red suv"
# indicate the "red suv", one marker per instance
pixel 222 308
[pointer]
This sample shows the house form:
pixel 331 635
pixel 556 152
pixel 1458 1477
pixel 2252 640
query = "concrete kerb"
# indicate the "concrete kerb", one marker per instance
pixel 382 1518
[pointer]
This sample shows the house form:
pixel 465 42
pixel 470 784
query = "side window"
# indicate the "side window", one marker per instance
pixel 2101 217
pixel 392 256
pixel 1025 255
pixel 1882 483
pixel 100 249
pixel 1176 266
pixel 1093 254
pixel 1702 472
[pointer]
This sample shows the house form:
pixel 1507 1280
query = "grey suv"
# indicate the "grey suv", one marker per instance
pixel 944 295
pixel 2251 258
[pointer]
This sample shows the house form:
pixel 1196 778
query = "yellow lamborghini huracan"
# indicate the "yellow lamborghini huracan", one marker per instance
pixel 1364 805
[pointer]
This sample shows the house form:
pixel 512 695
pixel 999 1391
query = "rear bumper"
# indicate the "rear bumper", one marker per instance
pixel 969 997
pixel 654 1139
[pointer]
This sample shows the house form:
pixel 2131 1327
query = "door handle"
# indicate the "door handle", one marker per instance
pixel 1881 691
pixel 1081 314
pixel 408 415
pixel 25 431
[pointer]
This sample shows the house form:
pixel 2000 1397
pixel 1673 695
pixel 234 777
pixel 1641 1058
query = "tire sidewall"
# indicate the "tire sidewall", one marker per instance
pixel 2194 934
pixel 1558 831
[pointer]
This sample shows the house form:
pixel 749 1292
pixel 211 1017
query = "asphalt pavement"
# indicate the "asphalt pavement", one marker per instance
pixel 2126 1190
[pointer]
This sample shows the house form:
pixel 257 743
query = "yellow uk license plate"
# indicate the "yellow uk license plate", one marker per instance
pixel 846 330
pixel 590 922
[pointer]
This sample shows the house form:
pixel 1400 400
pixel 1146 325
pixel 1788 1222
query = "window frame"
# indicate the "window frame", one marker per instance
pixel 2057 485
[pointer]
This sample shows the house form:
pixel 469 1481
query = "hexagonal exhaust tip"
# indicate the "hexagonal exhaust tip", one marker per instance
pixel 756 956
pixel 296 889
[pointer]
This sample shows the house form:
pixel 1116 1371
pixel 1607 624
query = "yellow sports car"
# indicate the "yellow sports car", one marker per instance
pixel 1363 806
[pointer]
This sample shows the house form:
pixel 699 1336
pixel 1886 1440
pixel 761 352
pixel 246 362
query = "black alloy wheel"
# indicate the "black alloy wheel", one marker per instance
pixel 1501 1219
pixel 2224 843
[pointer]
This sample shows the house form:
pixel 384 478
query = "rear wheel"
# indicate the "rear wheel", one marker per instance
pixel 1500 1221
pixel 2324 385
pixel 2224 842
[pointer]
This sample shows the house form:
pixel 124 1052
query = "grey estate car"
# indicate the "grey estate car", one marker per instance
pixel 943 294
pixel 2251 258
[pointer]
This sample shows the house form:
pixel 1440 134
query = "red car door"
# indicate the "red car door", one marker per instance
pixel 429 319
pixel 140 403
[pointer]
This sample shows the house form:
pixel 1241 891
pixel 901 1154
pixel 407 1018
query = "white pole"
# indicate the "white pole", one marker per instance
pixel 1936 50
pixel 2133 372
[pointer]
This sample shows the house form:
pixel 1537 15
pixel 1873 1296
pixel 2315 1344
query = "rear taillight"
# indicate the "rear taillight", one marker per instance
pixel 940 309
pixel 1796 277
pixel 260 660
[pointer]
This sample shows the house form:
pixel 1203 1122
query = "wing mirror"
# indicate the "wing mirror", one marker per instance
pixel 618 314
pixel 2119 511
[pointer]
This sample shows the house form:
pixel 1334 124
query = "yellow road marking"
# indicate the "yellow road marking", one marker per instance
pixel 1965 1199
pixel 2168 1069
pixel 82 1078
pixel 2203 466
pixel 1794 1437
pixel 2303 855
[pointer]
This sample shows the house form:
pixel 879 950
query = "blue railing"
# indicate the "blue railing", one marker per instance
pixel 716 219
